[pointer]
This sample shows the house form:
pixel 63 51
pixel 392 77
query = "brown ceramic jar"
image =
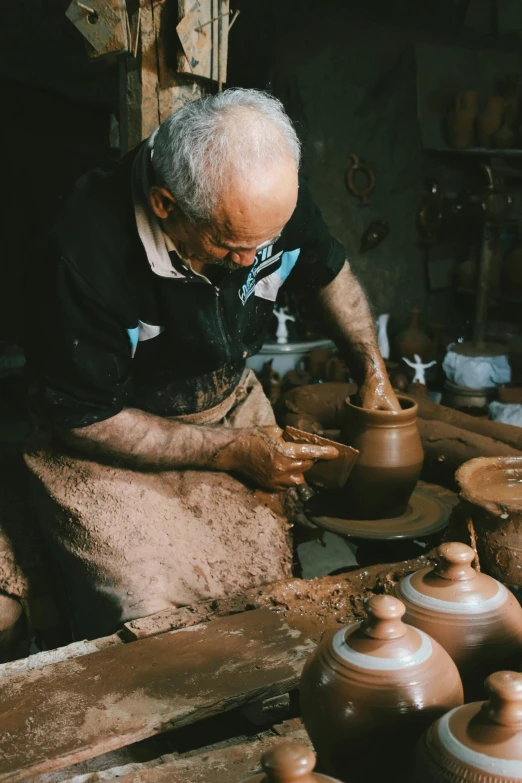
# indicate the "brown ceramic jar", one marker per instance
pixel 289 762
pixel 369 690
pixel 474 617
pixel 390 460
pixel 489 515
pixel 478 743
pixel 414 340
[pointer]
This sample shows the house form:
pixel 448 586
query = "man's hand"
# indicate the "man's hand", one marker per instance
pixel 346 312
pixel 263 456
pixel 376 393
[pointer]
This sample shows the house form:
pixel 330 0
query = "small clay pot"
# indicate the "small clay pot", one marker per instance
pixel 369 691
pixel 490 120
pixel 478 743
pixel 461 119
pixel 289 762
pixel 414 340
pixel 390 461
pixel 475 618
pixel 489 515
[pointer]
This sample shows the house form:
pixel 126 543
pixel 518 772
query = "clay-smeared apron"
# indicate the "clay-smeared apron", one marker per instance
pixel 131 543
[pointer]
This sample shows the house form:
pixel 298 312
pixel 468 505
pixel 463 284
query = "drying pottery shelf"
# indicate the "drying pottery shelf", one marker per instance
pixel 428 512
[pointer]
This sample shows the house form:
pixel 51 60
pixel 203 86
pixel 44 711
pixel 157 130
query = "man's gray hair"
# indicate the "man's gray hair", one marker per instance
pixel 200 147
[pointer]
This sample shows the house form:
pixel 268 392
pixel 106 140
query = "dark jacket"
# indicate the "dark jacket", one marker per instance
pixel 105 332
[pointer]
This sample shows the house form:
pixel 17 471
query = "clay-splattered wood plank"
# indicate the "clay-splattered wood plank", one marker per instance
pixel 64 713
pixel 224 765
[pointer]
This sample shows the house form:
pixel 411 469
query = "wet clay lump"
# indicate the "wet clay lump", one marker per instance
pixel 476 619
pixel 289 762
pixel 379 680
pixel 478 743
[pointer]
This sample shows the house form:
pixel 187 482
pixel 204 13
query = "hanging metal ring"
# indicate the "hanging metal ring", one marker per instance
pixel 361 193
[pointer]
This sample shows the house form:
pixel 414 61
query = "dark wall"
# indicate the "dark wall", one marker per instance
pixel 346 71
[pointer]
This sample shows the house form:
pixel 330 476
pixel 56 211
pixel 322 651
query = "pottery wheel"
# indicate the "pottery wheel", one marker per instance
pixel 428 512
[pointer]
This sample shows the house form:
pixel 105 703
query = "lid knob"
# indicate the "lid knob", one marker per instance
pixel 289 762
pixel 454 561
pixel 505 699
pixel 384 617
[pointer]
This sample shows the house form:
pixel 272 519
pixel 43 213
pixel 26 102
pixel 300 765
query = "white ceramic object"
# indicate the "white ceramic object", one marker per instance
pixel 419 368
pixel 283 316
pixel 285 357
pixel 382 335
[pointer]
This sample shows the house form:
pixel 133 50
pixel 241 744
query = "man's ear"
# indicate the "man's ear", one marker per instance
pixel 162 201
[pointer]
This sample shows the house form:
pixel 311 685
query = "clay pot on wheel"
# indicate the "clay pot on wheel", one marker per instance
pixel 390 461
pixel 289 762
pixel 375 684
pixel 475 618
pixel 489 515
pixel 478 743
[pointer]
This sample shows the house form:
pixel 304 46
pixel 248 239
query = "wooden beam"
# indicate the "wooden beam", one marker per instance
pixel 222 765
pixel 150 86
pixel 77 709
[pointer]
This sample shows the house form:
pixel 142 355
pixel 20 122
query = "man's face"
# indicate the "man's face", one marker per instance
pixel 249 216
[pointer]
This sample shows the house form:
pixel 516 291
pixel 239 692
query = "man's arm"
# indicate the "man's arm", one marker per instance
pixel 141 440
pixel 346 312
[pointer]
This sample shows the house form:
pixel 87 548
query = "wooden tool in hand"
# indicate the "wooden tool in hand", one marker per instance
pixel 332 474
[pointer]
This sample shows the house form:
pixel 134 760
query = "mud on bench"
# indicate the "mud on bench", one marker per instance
pixel 164 672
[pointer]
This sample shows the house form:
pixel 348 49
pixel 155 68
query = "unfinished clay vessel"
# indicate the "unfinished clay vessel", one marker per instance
pixel 390 461
pixel 489 515
pixel 478 743
pixel 289 762
pixel 375 685
pixel 414 340
pixel 475 618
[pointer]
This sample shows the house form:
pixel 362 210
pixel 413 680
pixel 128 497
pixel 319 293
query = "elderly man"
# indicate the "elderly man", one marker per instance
pixel 157 282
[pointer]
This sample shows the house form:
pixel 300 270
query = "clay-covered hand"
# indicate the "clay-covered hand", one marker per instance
pixel 376 393
pixel 263 456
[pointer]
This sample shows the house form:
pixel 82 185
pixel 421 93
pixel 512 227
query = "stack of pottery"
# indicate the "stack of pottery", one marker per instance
pixel 390 461
pixel 474 617
pixel 478 743
pixel 289 763
pixel 375 686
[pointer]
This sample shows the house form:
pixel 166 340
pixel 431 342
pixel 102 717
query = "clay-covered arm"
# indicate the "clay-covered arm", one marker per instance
pixel 141 440
pixel 347 314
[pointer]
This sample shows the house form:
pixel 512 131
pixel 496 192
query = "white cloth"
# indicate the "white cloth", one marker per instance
pixel 507 413
pixel 476 372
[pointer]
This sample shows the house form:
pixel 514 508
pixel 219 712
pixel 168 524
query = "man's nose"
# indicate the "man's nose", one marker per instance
pixel 243 257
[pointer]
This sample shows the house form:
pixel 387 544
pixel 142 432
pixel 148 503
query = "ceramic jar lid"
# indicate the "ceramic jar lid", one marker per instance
pixel 481 741
pixel 382 643
pixel 289 762
pixel 453 586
